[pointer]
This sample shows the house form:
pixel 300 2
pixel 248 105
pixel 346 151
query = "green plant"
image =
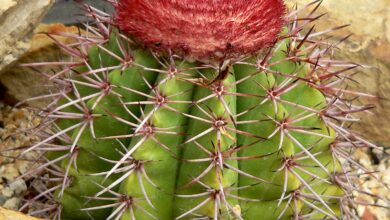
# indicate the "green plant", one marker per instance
pixel 199 110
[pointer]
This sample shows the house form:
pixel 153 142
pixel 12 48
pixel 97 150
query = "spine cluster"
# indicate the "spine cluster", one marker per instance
pixel 134 133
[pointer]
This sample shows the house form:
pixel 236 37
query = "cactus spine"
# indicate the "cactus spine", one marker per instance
pixel 155 122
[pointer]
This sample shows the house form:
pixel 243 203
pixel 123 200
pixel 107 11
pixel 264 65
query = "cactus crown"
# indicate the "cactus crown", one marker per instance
pixel 199 110
pixel 202 30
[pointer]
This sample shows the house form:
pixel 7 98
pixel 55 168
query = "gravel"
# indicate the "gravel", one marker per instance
pixel 13 138
pixel 378 184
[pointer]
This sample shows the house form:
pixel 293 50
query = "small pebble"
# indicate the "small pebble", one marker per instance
pixel 10 173
pixel 18 186
pixel 7 192
pixel 22 167
pixel 12 203
pixel 2 200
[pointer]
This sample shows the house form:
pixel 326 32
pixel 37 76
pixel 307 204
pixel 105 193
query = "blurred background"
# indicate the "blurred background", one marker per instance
pixel 63 8
pixel 21 41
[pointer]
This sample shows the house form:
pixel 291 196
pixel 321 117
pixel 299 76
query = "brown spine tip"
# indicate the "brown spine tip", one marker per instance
pixel 202 29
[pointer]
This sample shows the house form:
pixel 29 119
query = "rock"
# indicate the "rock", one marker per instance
pixel 368 215
pixel 17 21
pixel 13 190
pixel 7 192
pixel 369 45
pixel 22 166
pixel 23 82
pixel 10 173
pixel 7 4
pixel 12 215
pixel 2 199
pixel 12 203
pixel 18 186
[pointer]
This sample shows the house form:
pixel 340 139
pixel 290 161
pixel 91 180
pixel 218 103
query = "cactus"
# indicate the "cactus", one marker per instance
pixel 199 110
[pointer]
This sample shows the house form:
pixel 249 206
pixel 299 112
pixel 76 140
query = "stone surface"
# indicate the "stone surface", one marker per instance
pixel 12 203
pixel 7 192
pixel 23 82
pixel 18 186
pixel 13 122
pixel 6 4
pixel 12 215
pixel 370 46
pixel 3 199
pixel 18 19
pixel 13 192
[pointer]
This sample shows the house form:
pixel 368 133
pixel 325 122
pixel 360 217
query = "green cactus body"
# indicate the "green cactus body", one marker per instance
pixel 156 152
pixel 204 171
pixel 197 147
pixel 89 145
pixel 147 134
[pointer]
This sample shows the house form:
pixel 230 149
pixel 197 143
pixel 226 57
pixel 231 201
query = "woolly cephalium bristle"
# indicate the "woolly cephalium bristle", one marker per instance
pixel 202 29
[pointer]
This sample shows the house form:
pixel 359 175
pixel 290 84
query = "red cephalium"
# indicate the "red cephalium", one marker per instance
pixel 202 29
